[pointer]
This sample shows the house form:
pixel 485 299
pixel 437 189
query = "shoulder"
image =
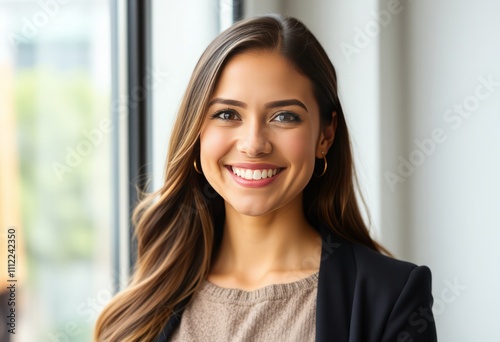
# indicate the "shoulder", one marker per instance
pixel 387 299
pixel 376 275
pixel 384 271
pixel 397 291
pixel 359 264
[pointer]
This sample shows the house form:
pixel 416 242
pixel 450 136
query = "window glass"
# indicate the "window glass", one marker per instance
pixel 55 167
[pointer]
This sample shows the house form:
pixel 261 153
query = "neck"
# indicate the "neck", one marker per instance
pixel 279 247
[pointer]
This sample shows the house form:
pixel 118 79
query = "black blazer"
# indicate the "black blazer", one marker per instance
pixel 364 296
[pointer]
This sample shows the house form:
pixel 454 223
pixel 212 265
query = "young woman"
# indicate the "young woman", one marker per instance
pixel 256 234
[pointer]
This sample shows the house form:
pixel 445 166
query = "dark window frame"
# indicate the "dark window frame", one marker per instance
pixel 139 116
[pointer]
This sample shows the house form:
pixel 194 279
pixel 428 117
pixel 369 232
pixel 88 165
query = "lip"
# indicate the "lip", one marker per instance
pixel 254 166
pixel 253 183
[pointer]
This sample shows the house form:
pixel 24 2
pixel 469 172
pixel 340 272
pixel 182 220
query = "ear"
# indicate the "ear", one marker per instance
pixel 326 137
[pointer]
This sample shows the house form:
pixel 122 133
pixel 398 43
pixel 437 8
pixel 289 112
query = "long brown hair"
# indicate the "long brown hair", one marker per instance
pixel 179 226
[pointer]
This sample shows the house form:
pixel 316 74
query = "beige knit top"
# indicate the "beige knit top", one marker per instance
pixel 280 312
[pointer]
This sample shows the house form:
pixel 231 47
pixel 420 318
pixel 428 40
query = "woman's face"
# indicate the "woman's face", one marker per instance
pixel 261 134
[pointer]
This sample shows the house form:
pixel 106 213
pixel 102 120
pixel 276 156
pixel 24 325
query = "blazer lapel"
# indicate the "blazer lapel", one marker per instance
pixel 336 283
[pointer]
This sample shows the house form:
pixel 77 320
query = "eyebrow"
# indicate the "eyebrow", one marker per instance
pixel 228 102
pixel 273 104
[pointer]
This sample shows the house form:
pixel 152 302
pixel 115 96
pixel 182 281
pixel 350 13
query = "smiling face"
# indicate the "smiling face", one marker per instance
pixel 261 134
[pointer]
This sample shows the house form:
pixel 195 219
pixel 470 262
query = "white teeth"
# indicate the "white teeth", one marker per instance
pixel 254 174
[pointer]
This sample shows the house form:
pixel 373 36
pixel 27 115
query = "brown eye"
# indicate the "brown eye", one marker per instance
pixel 286 117
pixel 226 115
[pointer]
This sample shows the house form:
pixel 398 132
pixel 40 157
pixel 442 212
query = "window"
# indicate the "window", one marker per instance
pixel 56 174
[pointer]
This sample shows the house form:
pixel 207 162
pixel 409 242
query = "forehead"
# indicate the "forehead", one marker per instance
pixel 262 75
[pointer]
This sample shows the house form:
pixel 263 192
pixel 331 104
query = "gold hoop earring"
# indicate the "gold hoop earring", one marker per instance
pixel 196 167
pixel 326 165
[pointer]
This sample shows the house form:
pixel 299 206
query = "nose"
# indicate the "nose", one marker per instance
pixel 254 141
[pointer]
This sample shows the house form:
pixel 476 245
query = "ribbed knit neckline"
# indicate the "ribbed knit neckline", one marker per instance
pixel 219 294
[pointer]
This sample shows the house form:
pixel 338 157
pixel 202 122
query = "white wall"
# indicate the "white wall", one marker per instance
pixel 452 197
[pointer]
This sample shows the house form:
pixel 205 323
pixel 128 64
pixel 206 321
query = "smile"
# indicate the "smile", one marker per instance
pixel 253 174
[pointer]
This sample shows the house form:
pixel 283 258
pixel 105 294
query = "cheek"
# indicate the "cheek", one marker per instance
pixel 301 148
pixel 213 145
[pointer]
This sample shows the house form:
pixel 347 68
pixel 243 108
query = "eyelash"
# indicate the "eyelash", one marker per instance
pixel 294 117
pixel 217 114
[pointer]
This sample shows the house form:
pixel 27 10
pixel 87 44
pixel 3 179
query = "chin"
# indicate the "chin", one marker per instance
pixel 251 210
